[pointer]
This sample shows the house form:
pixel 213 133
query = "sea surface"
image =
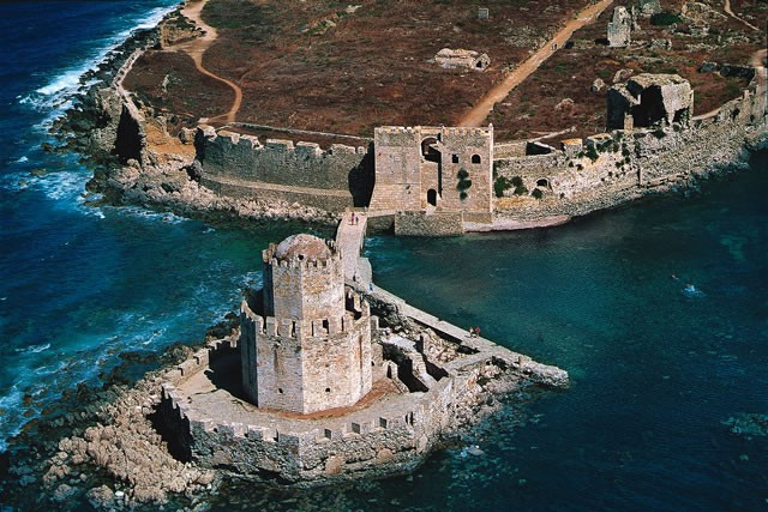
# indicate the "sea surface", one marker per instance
pixel 658 367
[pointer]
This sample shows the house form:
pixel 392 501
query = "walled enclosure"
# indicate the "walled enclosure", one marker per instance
pixel 241 166
pixel 422 168
pixel 311 351
pixel 425 386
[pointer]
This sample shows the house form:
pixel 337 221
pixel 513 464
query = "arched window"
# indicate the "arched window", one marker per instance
pixel 429 150
pixel 542 183
pixel 432 197
pixel 476 159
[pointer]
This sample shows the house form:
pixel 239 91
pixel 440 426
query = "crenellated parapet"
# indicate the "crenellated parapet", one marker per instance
pixel 301 331
pixel 243 166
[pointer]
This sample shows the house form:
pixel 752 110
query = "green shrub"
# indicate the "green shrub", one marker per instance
pixel 520 190
pixel 464 183
pixel 592 153
pixel 501 185
pixel 664 19
pixel 537 194
pixel 517 181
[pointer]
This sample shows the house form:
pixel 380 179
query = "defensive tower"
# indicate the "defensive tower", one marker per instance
pixel 308 347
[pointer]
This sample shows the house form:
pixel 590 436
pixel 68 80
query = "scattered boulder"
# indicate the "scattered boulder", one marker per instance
pixel 647 8
pixel 622 75
pixel 63 492
pixel 709 67
pixel 564 104
pixel 597 86
pixel 661 44
pixel 101 498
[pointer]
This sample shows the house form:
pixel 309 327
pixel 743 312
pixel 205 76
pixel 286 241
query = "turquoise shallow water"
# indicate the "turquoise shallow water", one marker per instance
pixel 656 371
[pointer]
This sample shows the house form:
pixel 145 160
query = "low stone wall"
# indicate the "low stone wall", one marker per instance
pixel 238 164
pixel 436 224
pixel 380 446
pixel 331 200
pixel 374 445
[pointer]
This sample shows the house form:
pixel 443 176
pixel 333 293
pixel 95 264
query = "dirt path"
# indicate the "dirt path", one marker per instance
pixel 479 112
pixel 755 61
pixel 197 47
pixel 727 9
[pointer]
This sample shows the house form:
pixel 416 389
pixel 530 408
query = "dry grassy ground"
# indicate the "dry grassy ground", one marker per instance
pixel 323 66
pixel 537 106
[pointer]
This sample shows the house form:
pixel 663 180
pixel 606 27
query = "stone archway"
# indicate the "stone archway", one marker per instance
pixel 432 197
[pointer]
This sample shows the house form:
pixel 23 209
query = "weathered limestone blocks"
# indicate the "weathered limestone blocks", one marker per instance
pixel 620 28
pixel 443 168
pixel 310 349
pixel 648 100
pixel 462 59
pixel 241 166
pixel 605 170
pixel 647 8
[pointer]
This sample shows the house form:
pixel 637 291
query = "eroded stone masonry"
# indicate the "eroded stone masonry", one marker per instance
pixel 317 388
pixel 448 180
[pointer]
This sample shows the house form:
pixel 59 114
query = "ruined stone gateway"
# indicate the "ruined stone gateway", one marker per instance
pixel 314 389
pixel 650 100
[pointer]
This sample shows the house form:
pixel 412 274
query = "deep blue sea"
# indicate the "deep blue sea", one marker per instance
pixel 657 369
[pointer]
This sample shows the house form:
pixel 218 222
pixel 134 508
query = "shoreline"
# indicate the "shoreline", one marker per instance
pixel 156 170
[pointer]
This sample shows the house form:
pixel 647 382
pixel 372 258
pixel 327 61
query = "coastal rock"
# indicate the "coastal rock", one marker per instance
pixel 101 497
pixel 63 492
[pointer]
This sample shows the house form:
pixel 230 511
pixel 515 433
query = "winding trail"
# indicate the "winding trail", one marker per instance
pixel 756 61
pixel 480 112
pixel 729 12
pixel 197 47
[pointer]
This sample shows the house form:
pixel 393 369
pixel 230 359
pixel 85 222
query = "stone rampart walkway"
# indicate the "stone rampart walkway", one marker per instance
pixel 350 237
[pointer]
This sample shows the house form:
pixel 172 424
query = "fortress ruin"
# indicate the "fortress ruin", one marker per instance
pixel 311 351
pixel 437 181
pixel 324 391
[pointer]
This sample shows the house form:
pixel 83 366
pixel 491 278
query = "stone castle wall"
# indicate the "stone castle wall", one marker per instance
pixel 421 166
pixel 623 165
pixel 304 290
pixel 376 446
pixel 299 362
pixel 241 166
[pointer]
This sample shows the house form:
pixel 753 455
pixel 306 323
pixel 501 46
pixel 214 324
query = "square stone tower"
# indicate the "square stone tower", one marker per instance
pixel 448 169
pixel 310 349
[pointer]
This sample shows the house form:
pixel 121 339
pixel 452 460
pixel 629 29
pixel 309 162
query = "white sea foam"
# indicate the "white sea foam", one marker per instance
pixel 22 160
pixel 11 400
pixel 34 349
pixel 55 96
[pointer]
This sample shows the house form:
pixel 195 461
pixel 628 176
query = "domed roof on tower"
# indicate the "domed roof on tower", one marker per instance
pixel 303 247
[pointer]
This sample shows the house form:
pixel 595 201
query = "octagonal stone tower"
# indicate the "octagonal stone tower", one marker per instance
pixel 308 348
